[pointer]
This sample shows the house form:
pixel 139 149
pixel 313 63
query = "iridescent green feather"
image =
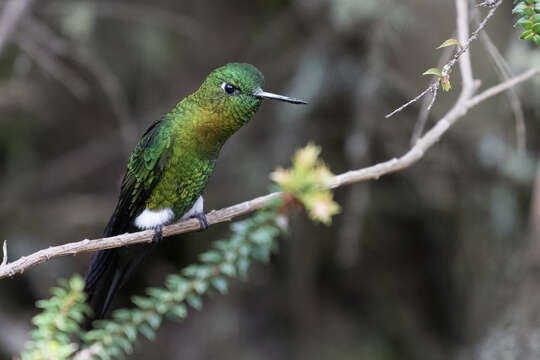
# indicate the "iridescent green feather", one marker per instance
pixel 174 159
pixel 170 167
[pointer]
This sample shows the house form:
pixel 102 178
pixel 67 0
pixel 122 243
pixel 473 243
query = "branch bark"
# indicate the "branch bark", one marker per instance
pixel 466 101
pixel 12 14
pixel 463 31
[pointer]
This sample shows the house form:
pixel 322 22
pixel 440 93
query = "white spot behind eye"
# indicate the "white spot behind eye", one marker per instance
pixel 230 89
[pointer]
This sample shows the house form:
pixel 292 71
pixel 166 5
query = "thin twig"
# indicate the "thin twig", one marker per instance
pixel 50 65
pixel 105 77
pixel 428 102
pixel 465 102
pixel 421 95
pixel 227 214
pixel 448 67
pixel 504 73
pixel 5 255
pixel 492 91
pixel 13 12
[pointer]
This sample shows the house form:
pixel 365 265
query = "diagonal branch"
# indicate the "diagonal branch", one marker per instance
pixel 13 12
pixel 462 24
pixel 465 102
pixel 5 256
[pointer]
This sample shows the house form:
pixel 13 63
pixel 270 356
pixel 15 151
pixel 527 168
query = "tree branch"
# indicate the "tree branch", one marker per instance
pixel 12 14
pixel 462 25
pixel 5 256
pixel 464 103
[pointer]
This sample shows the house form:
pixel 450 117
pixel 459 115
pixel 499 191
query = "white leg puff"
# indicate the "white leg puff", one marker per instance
pixel 197 208
pixel 150 219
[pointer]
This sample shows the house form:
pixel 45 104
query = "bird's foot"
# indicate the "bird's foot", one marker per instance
pixel 202 221
pixel 158 235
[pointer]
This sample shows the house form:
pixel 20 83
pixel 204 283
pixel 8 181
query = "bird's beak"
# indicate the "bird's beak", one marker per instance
pixel 266 95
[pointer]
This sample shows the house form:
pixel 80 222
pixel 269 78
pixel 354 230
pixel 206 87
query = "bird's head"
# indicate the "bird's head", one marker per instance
pixel 236 90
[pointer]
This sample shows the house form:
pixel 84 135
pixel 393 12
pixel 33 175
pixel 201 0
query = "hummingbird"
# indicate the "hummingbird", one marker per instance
pixel 169 169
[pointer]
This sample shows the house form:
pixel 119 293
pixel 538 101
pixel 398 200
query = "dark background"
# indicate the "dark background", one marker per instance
pixel 433 262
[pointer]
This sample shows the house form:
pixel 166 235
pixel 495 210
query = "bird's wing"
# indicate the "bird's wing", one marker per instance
pixel 143 172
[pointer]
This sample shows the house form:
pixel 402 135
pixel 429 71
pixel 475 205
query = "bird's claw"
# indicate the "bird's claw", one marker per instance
pixel 202 221
pixel 158 235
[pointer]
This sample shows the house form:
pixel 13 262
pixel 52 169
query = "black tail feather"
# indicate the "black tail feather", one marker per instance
pixel 106 274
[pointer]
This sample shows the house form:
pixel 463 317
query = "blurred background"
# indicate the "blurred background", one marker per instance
pixel 436 262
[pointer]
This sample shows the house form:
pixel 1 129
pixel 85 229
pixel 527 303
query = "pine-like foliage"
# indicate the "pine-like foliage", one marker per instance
pixel 255 239
pixel 57 326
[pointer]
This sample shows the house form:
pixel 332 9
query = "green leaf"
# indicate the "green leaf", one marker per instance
pixel 204 271
pixel 158 293
pixel 228 269
pixel 525 23
pixel 76 283
pixel 124 344
pixel 130 332
pixel 154 320
pixel 211 257
pixel 190 270
pixel 243 266
pixel 147 332
pixel 519 8
pixel 114 351
pixel 527 35
pixel 450 42
pixel 103 354
pixel 536 28
pixel 220 284
pixel 179 311
pixel 433 71
pixel 162 308
pixel 200 286
pixel 536 39
pixel 195 301
pixel 122 315
pixel 143 302
pixel 445 84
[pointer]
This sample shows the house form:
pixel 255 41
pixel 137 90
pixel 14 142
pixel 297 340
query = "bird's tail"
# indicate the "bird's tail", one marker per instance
pixel 105 276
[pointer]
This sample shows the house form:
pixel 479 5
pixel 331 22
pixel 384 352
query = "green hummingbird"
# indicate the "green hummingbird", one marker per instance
pixel 169 169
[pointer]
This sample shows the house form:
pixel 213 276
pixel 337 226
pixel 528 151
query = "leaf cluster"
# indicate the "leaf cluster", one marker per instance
pixel 58 330
pixel 58 325
pixel 253 239
pixel 529 19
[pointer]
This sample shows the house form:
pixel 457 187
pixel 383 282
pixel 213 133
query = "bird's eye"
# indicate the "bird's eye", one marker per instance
pixel 230 89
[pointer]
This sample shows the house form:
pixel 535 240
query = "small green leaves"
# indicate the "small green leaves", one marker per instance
pixel 220 284
pixel 445 83
pixel 529 21
pixel 450 42
pixel 444 76
pixel 433 71
pixel 444 80
pixel 253 239
pixel 194 301
pixel 58 322
pixel 179 311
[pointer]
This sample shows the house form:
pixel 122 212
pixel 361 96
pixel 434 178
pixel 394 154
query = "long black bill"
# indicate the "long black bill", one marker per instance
pixel 266 95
